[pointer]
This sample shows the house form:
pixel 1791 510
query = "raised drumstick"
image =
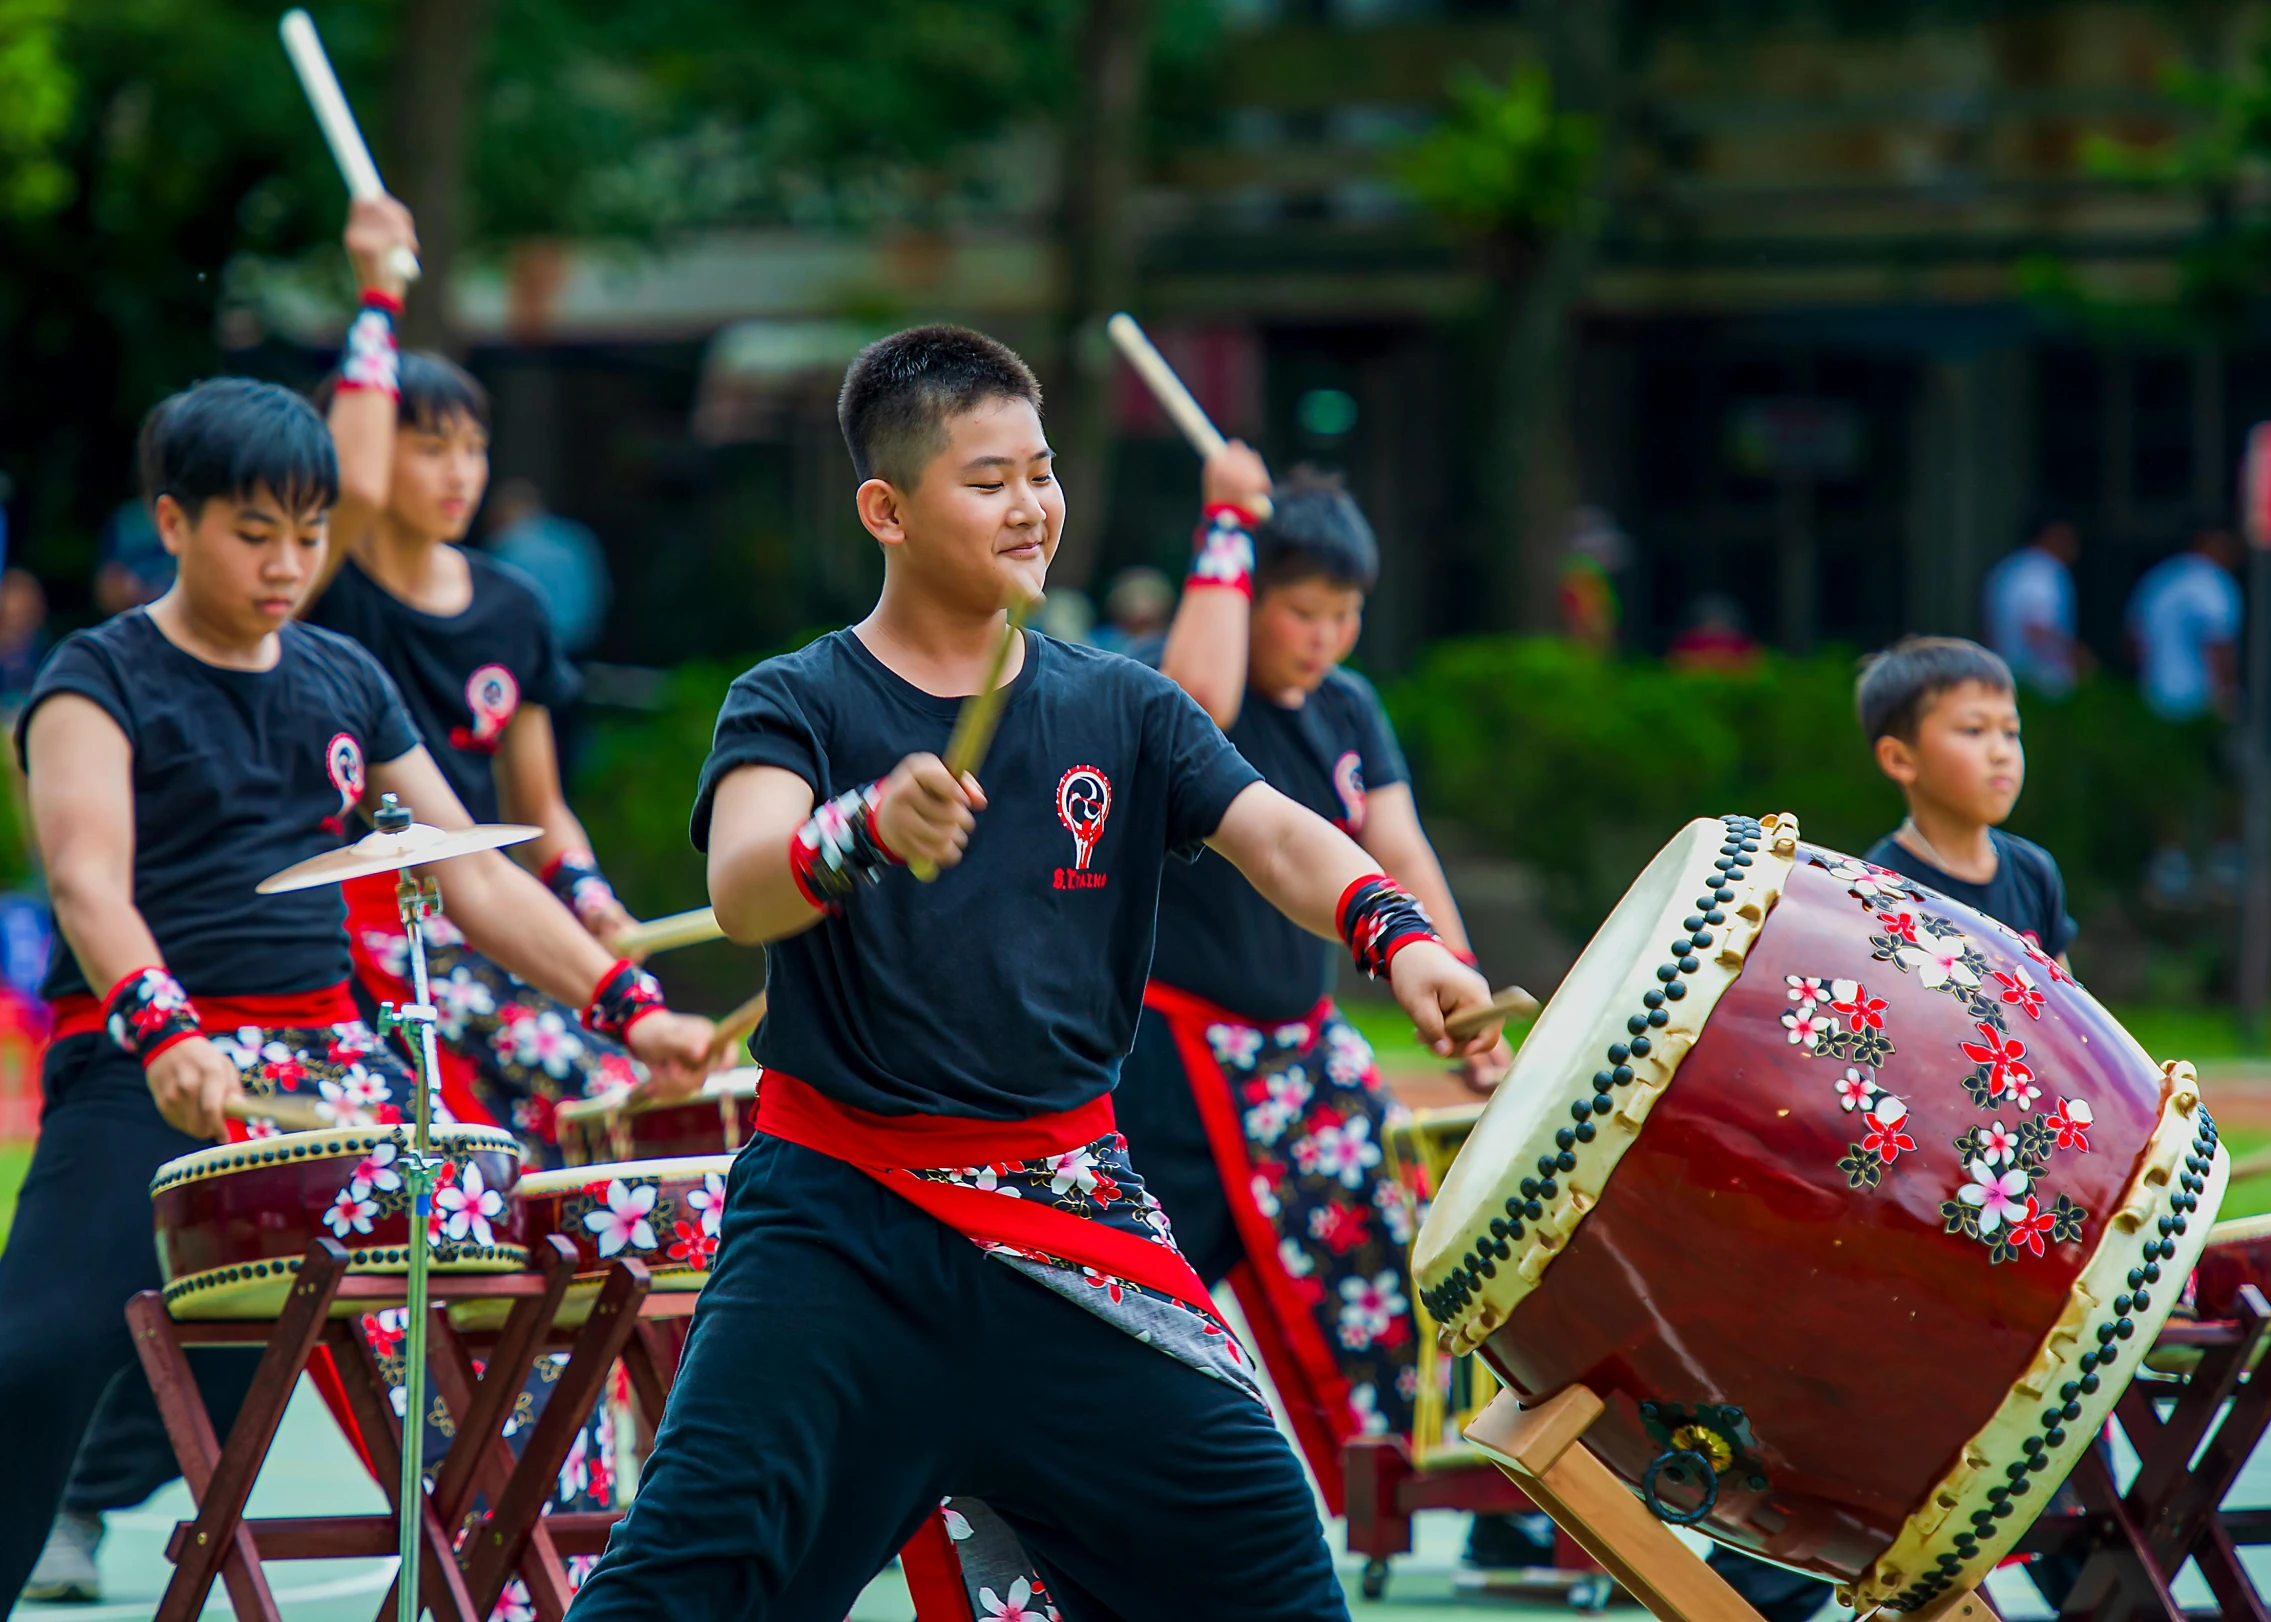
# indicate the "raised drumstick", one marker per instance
pixel 667 934
pixel 974 726
pixel 1168 390
pixel 337 120
pixel 1512 1003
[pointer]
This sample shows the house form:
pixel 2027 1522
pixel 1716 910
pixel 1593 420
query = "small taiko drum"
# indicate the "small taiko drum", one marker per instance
pixel 618 1126
pixel 1852 1207
pixel 235 1220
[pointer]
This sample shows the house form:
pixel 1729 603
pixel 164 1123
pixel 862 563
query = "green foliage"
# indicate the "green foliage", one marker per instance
pixel 636 785
pixel 1504 160
pixel 35 106
pixel 1583 767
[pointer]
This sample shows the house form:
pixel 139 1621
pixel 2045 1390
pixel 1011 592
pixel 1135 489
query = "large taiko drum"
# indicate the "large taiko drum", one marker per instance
pixel 234 1221
pixel 1856 1211
pixel 620 1126
pixel 2238 1252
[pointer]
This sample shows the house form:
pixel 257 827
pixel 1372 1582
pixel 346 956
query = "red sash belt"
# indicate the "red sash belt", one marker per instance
pixel 220 1016
pixel 891 1148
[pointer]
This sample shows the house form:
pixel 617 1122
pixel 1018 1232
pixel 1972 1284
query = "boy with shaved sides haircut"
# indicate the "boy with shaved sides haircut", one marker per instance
pixel 468 642
pixel 176 756
pixel 884 1325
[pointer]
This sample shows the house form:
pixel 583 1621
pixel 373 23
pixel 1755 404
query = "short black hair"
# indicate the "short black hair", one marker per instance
pixel 1315 530
pixel 899 392
pixel 228 436
pixel 434 389
pixel 1898 684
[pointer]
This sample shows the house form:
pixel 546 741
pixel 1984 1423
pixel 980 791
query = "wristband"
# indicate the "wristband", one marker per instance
pixel 148 1012
pixel 1223 549
pixel 626 994
pixel 1378 918
pixel 1466 957
pixel 838 848
pixel 574 877
pixel 370 361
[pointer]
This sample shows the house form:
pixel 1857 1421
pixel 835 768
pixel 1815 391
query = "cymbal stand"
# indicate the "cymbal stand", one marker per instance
pixel 418 900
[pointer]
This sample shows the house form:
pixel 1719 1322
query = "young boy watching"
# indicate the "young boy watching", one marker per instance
pixel 882 1326
pixel 1942 718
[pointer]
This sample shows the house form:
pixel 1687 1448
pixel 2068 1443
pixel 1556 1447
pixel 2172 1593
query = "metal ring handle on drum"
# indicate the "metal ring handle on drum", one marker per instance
pixel 1656 1505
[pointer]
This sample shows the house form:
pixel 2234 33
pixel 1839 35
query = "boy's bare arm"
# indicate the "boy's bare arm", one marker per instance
pixel 1206 646
pixel 1303 865
pixel 757 810
pixel 527 766
pixel 82 805
pixel 1394 838
pixel 362 421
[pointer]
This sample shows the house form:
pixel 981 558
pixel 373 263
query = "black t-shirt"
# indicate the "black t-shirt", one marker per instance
pixel 237 773
pixel 464 676
pixel 1010 986
pixel 2027 893
pixel 1218 938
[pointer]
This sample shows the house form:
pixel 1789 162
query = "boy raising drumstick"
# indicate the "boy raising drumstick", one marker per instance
pixel 939 1272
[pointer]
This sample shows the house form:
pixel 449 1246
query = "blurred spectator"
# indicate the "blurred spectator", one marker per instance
pixel 562 557
pixel 1717 638
pixel 23 635
pixel 1067 614
pixel 2030 608
pixel 2184 620
pixel 1139 605
pixel 132 566
pixel 1585 589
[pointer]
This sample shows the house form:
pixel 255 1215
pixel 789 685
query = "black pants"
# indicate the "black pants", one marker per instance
pixel 80 1248
pixel 853 1361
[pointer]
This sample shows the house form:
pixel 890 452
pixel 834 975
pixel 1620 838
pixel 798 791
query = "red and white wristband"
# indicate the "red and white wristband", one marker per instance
pixel 147 1012
pixel 574 877
pixel 1378 918
pixel 1222 551
pixel 625 995
pixel 370 360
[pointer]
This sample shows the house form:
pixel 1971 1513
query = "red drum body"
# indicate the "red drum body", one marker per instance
pixel 2239 1252
pixel 1853 1207
pixel 664 1213
pixel 234 1221
pixel 614 1129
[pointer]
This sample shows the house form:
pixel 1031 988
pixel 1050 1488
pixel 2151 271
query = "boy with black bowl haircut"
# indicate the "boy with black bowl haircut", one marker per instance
pixel 175 757
pixel 939 1272
pixel 1942 718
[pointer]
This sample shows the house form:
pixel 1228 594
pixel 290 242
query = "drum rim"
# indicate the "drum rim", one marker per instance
pixel 1912 1572
pixel 536 1185
pixel 599 1108
pixel 337 1143
pixel 2241 1230
pixel 1472 1276
pixel 275 1275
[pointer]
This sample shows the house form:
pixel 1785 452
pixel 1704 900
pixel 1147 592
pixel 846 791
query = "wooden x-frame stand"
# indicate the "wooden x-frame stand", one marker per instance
pixel 1539 1448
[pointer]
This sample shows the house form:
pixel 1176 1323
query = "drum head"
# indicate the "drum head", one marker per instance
pixel 1585 1017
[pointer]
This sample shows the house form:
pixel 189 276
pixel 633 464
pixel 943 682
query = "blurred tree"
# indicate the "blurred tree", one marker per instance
pixel 35 105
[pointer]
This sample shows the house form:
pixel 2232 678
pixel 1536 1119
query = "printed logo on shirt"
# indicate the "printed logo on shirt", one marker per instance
pixel 1348 783
pixel 343 760
pixel 1084 800
pixel 494 698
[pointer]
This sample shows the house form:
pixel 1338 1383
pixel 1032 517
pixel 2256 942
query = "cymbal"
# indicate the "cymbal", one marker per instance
pixel 382 852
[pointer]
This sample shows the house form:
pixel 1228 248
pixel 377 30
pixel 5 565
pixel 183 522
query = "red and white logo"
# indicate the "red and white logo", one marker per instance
pixel 494 698
pixel 343 761
pixel 1348 783
pixel 1084 800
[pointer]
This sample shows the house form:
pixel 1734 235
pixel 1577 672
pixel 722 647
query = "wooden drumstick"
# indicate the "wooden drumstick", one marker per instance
pixel 1512 1003
pixel 289 1111
pixel 337 121
pixel 667 934
pixel 734 1028
pixel 1176 400
pixel 974 726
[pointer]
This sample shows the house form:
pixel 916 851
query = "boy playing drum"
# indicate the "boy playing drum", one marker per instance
pixel 176 756
pixel 939 1272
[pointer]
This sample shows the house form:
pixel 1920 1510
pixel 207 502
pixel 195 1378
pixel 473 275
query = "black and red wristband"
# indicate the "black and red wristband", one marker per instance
pixel 574 877
pixel 371 360
pixel 147 1012
pixel 1378 918
pixel 625 995
pixel 1222 553
pixel 837 849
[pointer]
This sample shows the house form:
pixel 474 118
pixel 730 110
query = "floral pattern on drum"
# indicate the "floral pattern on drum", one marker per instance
pixel 1999 1198
pixel 461 1221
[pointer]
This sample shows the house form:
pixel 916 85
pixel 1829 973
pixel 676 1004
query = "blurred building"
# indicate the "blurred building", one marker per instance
pixel 1805 375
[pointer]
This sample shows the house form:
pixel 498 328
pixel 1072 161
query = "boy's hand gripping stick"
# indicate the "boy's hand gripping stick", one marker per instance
pixel 974 726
